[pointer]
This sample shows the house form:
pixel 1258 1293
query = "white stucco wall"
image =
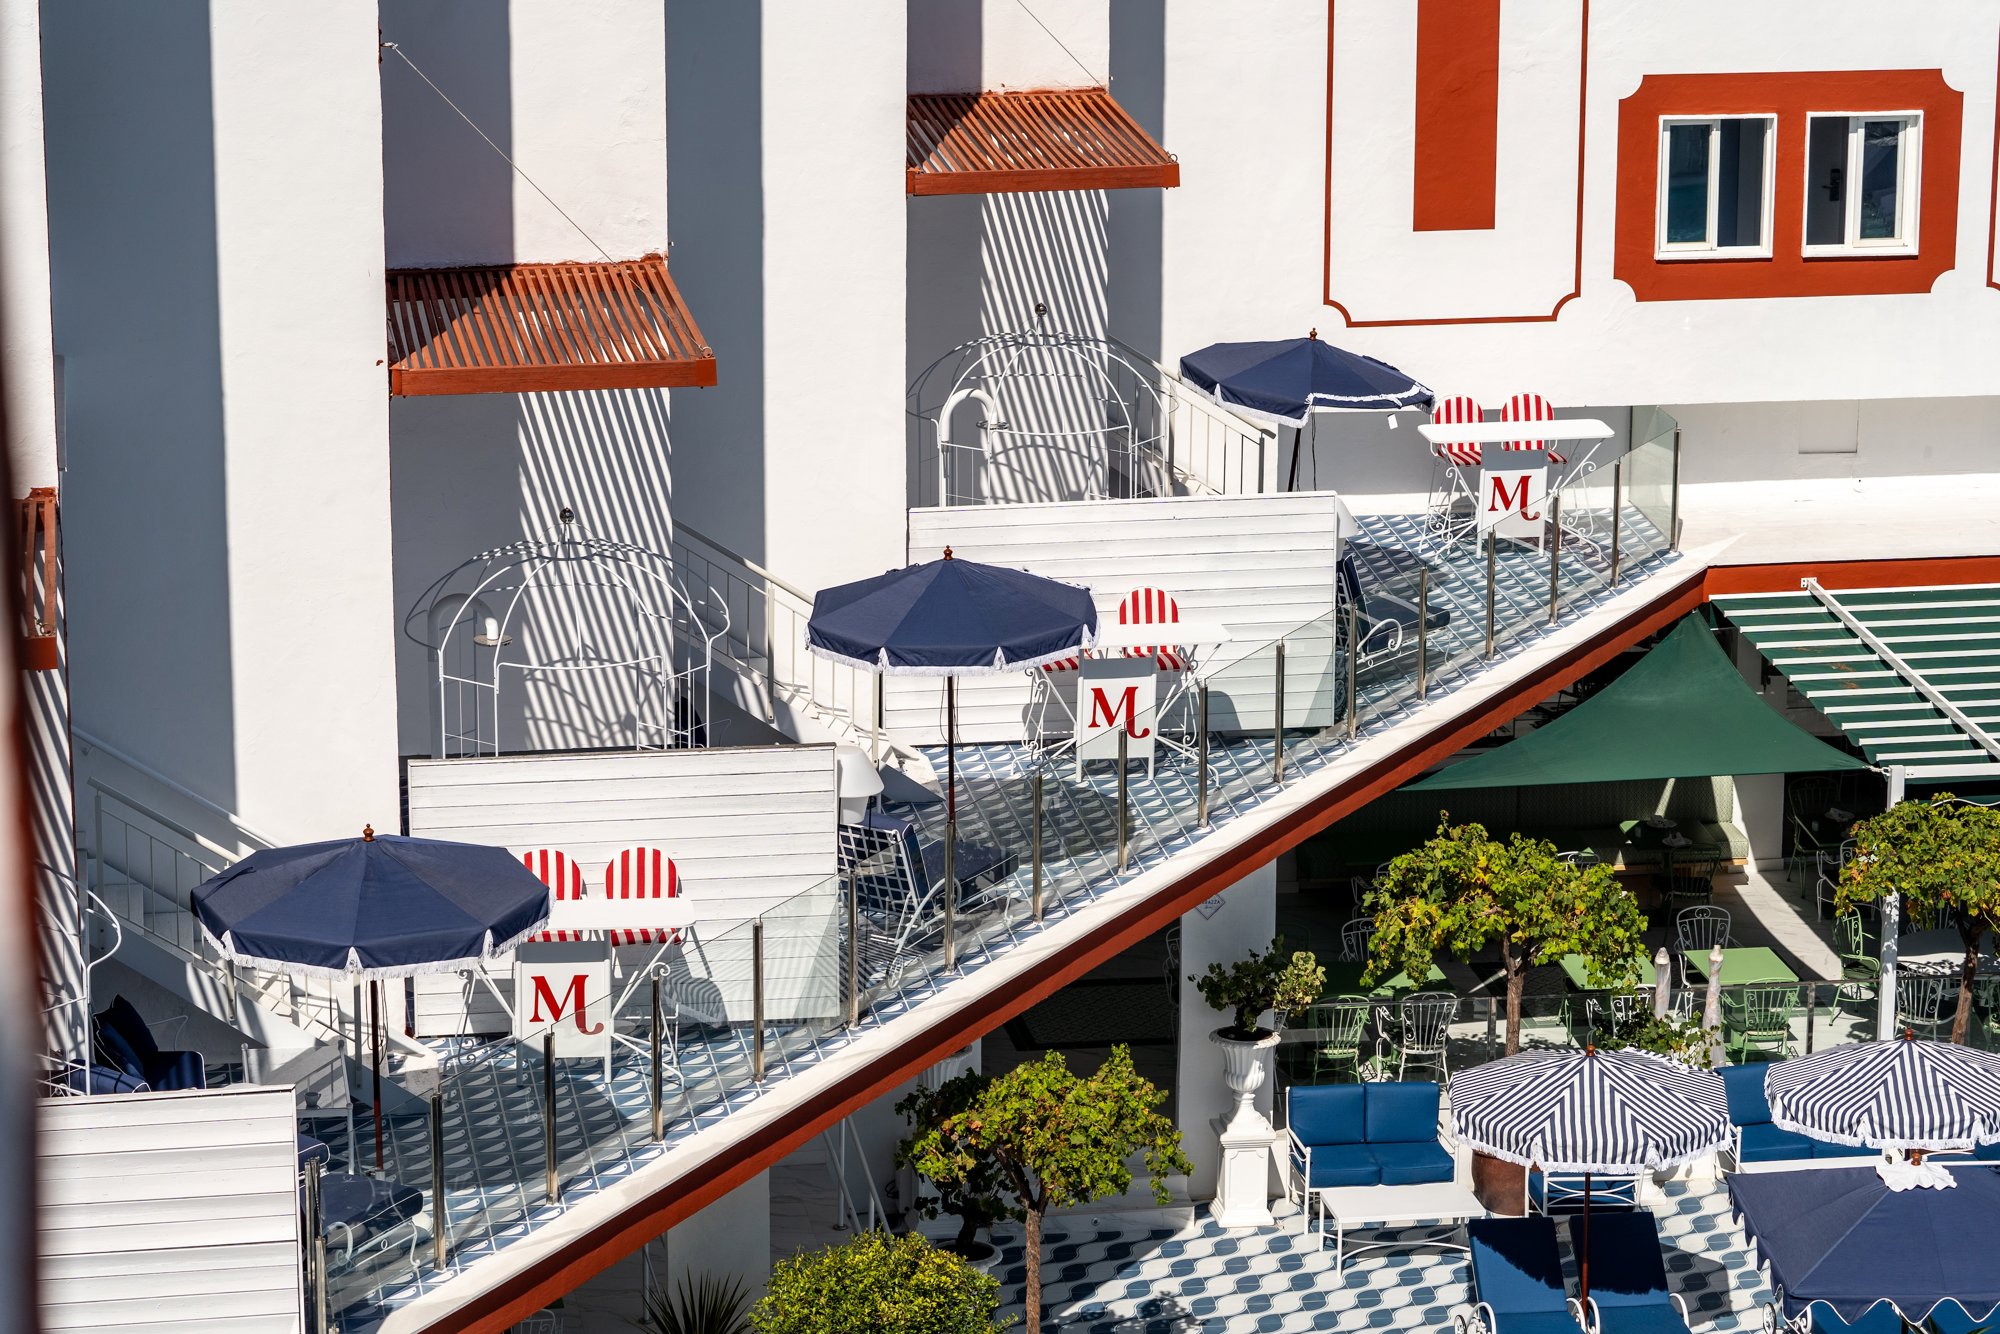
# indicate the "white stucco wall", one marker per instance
pixel 1246 246
pixel 26 340
pixel 1245 920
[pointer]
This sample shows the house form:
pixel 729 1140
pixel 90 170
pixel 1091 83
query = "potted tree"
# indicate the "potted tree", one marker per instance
pixel 1057 1139
pixel 1941 853
pixel 1247 989
pixel 973 1190
pixel 878 1284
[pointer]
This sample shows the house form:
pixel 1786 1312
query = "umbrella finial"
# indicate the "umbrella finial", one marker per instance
pixel 368 833
pixel 947 553
pixel 1313 333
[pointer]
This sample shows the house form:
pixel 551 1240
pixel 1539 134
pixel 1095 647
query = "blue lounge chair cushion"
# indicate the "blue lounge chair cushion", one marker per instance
pixel 1327 1113
pixel 121 1018
pixel 1626 1268
pixel 1402 1113
pixel 1411 1164
pixel 1517 1270
pixel 1822 1149
pixel 97 1079
pixel 1343 1165
pixel 1987 1153
pixel 1765 1143
pixel 313 1151
pixel 114 1051
pixel 366 1204
pixel 1878 1320
pixel 1744 1086
pixel 176 1070
pixel 1660 1319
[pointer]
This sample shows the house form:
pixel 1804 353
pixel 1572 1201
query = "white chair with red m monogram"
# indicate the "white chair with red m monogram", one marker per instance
pixel 1579 520
pixel 1151 626
pixel 1453 503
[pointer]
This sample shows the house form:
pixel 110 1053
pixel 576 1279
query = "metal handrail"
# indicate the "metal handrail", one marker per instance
pixel 91 742
pixel 748 564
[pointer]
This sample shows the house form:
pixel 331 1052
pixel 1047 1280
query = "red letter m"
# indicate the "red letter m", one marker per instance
pixel 570 1004
pixel 1501 500
pixel 1103 713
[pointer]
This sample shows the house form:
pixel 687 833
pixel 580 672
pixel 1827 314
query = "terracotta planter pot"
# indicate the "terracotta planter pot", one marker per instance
pixel 1501 1186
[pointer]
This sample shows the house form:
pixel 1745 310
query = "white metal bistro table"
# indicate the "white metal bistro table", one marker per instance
pixel 1354 1207
pixel 1938 952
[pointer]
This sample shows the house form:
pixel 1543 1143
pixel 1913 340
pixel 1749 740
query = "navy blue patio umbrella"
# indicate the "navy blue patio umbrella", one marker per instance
pixel 370 908
pixel 951 618
pixel 1287 380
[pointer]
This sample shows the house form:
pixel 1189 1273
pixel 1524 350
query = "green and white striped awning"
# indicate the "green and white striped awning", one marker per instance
pixel 1910 675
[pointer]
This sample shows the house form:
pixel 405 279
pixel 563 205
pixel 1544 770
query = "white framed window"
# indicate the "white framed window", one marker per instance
pixel 1715 186
pixel 1862 170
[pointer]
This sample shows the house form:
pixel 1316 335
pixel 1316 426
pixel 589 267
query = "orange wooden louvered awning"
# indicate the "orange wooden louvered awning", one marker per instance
pixel 515 328
pixel 1044 139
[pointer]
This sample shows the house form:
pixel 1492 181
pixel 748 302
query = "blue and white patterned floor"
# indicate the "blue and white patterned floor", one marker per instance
pixel 1117 1275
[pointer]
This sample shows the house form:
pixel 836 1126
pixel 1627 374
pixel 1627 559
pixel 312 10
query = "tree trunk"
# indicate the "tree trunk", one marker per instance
pixel 1968 973
pixel 1516 976
pixel 1031 1296
pixel 968 1232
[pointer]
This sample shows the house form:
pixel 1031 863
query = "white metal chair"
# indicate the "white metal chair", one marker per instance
pixel 565 881
pixel 1425 1021
pixel 1700 928
pixel 1926 1003
pixel 1452 510
pixel 1354 937
pixel 643 873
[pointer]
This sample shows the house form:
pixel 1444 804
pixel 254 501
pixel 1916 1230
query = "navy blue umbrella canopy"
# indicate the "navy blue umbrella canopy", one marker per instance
pixel 1844 1240
pixel 951 618
pixel 378 907
pixel 1286 380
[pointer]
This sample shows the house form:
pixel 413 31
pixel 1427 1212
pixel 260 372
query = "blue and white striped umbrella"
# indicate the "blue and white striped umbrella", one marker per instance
pixel 1906 1093
pixel 1590 1111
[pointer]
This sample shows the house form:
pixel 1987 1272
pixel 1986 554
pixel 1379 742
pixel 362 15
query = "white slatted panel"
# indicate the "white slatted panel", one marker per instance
pixel 170 1212
pixel 1263 565
pixel 751 830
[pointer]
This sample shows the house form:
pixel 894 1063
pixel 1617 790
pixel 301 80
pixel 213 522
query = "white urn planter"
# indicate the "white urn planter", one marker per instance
pixel 1242 1185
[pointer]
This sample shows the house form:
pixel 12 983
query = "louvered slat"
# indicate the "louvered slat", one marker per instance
pixel 1044 139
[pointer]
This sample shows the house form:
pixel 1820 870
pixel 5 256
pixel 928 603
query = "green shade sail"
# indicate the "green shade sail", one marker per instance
pixel 1683 711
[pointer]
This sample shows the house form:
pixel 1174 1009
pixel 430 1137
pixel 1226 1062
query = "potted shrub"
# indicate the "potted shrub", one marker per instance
pixel 1270 981
pixel 878 1284
pixel 972 1190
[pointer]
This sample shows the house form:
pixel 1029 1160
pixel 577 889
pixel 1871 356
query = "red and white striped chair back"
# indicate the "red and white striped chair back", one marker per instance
pixel 1152 606
pixel 642 873
pixel 1459 410
pixel 1530 408
pixel 564 879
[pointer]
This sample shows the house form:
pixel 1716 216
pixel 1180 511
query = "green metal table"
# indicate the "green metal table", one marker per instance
pixel 1577 969
pixel 1344 979
pixel 1742 967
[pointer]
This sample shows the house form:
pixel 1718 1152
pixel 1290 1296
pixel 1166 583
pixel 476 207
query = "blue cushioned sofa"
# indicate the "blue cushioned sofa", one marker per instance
pixel 1367 1135
pixel 1756 1144
pixel 124 1043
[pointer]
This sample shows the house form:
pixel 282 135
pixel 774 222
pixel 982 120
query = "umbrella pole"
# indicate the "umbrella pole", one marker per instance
pixel 950 823
pixel 1298 443
pixel 1583 1257
pixel 375 1029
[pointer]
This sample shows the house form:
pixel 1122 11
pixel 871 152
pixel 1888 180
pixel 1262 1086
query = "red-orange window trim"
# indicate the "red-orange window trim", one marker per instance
pixel 1791 98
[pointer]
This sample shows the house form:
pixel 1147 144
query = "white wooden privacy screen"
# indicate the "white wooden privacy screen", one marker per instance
pixel 169 1212
pixel 749 829
pixel 1262 565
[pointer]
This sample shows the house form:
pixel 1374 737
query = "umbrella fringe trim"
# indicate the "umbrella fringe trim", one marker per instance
pixel 999 668
pixel 355 972
pixel 1613 1169
pixel 1932 1144
pixel 1405 400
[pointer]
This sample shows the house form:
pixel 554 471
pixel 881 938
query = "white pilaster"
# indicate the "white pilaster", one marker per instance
pixel 1242 918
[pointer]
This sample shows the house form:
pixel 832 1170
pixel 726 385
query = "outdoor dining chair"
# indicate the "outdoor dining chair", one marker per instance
pixel 1609 1013
pixel 1700 928
pixel 1153 606
pixel 1354 937
pixel 1757 1020
pixel 1425 1021
pixel 565 881
pixel 1927 1003
pixel 1691 872
pixel 642 873
pixel 1986 1010
pixel 1860 970
pixel 1452 509
pixel 1336 1027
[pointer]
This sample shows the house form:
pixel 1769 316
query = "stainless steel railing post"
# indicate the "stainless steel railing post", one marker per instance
pixel 1492 571
pixel 1555 556
pixel 315 1248
pixel 1353 672
pixel 1278 718
pixel 1124 805
pixel 1423 631
pixel 659 1071
pixel 1617 516
pixel 551 1183
pixel 757 1000
pixel 1674 505
pixel 1201 756
pixel 770 654
pixel 1036 845
pixel 440 1215
pixel 853 950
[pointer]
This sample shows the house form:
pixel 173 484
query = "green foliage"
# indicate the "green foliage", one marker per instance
pixel 707 1305
pixel 1260 982
pixel 973 1190
pixel 878 1284
pixel 1056 1139
pixel 1686 1042
pixel 1941 853
pixel 1462 891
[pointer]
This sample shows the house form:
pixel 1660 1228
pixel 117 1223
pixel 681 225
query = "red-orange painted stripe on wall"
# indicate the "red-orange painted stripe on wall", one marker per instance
pixel 1458 115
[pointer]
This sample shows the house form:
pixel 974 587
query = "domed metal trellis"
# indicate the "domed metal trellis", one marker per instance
pixel 620 647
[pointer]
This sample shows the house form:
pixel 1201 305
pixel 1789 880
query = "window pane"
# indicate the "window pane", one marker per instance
pixel 1739 209
pixel 1881 174
pixel 1826 185
pixel 1687 183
